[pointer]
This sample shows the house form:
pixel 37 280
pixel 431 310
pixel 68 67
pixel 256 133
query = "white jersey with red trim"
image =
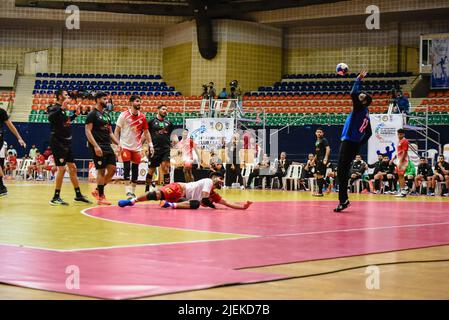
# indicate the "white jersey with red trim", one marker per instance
pixel 132 128
pixel 195 189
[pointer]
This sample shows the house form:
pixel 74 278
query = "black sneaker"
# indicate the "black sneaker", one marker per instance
pixel 342 206
pixel 82 199
pixel 58 202
pixel 3 191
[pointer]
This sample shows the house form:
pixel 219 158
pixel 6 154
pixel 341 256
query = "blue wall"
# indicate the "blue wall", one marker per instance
pixel 298 142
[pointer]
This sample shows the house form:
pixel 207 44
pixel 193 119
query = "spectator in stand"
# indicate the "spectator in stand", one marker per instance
pixel 385 172
pixel 261 169
pixel 401 103
pixel 11 149
pixel 11 163
pixel 36 167
pixel 358 168
pixel 425 173
pixel 441 174
pixel 33 151
pixel 282 167
pixel 223 94
pixel 47 152
pixel 51 166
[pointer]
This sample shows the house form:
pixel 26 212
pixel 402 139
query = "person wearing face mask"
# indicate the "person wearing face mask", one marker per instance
pixel 356 132
pixel 60 119
pixel 132 130
pixel 100 136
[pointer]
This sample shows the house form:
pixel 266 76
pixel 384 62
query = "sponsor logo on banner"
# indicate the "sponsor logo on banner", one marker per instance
pixel 384 139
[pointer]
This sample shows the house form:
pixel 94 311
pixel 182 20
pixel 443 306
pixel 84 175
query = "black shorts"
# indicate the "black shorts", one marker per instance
pixel 108 158
pixel 159 157
pixel 62 153
pixel 320 168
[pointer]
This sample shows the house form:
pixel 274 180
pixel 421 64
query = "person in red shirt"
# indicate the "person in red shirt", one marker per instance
pixel 403 159
pixel 11 163
pixel 47 152
pixel 37 166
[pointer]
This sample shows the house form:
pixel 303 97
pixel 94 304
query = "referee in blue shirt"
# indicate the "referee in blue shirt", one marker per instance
pixel 356 132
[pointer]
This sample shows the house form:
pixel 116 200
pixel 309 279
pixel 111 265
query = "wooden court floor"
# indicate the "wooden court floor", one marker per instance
pixel 27 219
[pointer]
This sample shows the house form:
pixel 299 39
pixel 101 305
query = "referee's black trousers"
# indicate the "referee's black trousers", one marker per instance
pixel 348 151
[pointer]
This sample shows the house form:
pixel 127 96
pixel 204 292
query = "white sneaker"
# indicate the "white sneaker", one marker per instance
pixel 242 188
pixel 401 195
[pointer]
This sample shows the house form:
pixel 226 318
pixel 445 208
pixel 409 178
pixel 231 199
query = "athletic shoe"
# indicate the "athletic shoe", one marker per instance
pixel 378 192
pixel 401 195
pixel 102 201
pixel 431 194
pixel 446 195
pixel 130 196
pixel 166 204
pixel 95 194
pixel 3 191
pixel 414 193
pixel 242 187
pixel 364 191
pixel 318 195
pixel 39 178
pixel 342 206
pixel 126 203
pixel 83 199
pixel 58 202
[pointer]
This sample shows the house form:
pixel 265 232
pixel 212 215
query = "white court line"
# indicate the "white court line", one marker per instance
pixel 214 240
pixel 359 229
pixel 162 227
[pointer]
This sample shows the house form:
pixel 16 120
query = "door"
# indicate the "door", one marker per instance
pixel 36 62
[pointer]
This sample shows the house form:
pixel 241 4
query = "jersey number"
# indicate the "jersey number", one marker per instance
pixel 364 125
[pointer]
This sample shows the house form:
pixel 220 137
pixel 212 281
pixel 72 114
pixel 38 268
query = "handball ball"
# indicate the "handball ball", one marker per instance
pixel 342 69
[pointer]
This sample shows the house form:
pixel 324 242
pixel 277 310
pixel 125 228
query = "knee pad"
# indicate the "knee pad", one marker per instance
pixel 152 195
pixel 194 204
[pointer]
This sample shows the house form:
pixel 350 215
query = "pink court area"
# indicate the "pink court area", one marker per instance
pixel 278 233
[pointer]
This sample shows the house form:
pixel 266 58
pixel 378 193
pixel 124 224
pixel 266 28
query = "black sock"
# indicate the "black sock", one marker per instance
pixel 320 183
pixel 1 183
pixel 376 185
pixel 431 190
pixel 78 192
pixel 148 182
pixel 100 190
pixel 57 194
pixel 166 178
pixel 410 184
pixel 390 184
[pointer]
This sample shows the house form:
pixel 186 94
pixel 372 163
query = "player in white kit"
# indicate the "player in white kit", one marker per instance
pixel 190 195
pixel 131 131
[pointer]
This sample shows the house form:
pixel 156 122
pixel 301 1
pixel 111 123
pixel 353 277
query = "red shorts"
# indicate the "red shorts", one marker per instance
pixel 133 156
pixel 172 192
pixel 402 167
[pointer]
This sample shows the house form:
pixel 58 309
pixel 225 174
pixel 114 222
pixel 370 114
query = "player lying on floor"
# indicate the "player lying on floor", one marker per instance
pixel 190 195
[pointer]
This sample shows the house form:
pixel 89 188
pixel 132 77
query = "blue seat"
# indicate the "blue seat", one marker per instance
pixel 158 76
pixel 144 76
pixel 39 74
pixel 151 76
pixel 37 87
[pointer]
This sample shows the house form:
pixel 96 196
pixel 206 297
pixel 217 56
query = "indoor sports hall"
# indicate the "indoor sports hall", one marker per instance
pixel 218 150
